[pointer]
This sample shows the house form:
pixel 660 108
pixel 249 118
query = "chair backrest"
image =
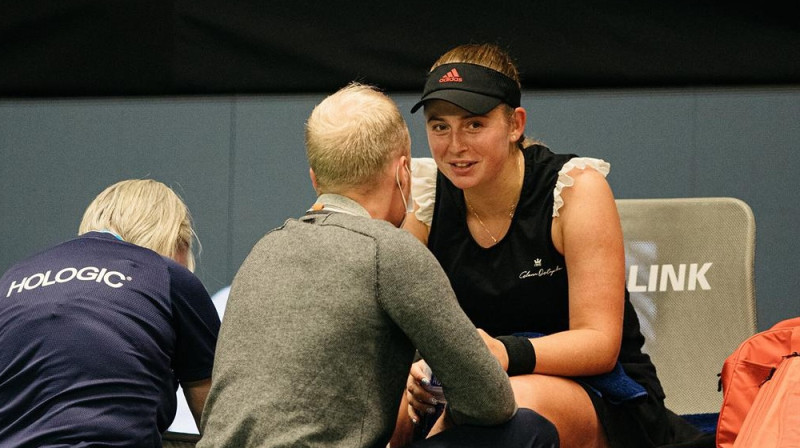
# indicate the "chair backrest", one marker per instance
pixel 690 276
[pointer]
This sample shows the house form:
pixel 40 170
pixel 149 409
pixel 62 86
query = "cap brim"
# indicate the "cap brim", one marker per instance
pixel 472 102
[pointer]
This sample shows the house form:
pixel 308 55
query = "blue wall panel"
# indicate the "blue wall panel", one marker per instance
pixel 239 162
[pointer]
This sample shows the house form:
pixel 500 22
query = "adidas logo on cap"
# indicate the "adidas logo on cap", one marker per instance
pixel 451 76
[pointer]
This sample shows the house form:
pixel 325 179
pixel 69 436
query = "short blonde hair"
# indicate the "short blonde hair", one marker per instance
pixel 144 212
pixel 352 135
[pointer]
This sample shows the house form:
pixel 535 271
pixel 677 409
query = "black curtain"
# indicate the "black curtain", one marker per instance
pixel 160 47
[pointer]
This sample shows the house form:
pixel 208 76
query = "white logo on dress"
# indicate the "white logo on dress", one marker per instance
pixel 541 272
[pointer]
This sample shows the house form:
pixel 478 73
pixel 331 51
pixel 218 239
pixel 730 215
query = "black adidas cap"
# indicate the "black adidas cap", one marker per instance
pixel 474 88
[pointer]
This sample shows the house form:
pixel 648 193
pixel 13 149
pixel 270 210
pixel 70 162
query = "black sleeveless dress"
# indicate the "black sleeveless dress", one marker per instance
pixel 520 285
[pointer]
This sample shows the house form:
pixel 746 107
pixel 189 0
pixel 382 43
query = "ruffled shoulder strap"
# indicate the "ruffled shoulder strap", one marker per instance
pixel 564 179
pixel 423 187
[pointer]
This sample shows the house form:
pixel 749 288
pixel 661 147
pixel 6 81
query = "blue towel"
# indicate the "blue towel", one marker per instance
pixel 706 422
pixel 616 386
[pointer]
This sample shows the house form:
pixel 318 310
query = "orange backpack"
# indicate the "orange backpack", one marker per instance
pixel 761 390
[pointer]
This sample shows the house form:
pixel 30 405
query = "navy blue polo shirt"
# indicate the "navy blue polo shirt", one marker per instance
pixel 95 334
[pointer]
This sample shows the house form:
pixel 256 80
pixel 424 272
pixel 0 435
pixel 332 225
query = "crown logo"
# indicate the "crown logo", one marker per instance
pixel 537 262
pixel 451 76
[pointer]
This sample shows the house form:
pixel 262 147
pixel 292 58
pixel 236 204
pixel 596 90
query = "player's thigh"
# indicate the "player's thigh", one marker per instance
pixel 565 403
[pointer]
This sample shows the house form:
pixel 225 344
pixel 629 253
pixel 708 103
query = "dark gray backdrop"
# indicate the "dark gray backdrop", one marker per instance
pixel 175 47
pixel 239 163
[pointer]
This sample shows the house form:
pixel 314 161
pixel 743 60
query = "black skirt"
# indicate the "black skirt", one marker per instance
pixel 646 423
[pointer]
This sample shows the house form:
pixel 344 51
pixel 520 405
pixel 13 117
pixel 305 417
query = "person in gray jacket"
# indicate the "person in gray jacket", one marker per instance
pixel 326 312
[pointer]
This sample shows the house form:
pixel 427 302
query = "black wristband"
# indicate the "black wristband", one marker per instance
pixel 521 355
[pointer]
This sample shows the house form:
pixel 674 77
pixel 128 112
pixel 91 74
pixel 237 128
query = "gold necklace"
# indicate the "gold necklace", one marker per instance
pixel 510 212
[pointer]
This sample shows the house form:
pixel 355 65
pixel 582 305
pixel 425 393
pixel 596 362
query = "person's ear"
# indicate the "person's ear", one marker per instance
pixel 405 167
pixel 313 179
pixel 518 121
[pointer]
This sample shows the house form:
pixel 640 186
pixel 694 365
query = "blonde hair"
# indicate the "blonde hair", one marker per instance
pixel 487 55
pixel 146 213
pixel 352 135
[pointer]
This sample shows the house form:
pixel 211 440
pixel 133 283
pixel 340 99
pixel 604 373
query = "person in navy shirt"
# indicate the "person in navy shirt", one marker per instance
pixel 96 333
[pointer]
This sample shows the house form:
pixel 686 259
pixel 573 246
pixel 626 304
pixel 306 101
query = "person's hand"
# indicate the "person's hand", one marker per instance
pixel 496 347
pixel 420 400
